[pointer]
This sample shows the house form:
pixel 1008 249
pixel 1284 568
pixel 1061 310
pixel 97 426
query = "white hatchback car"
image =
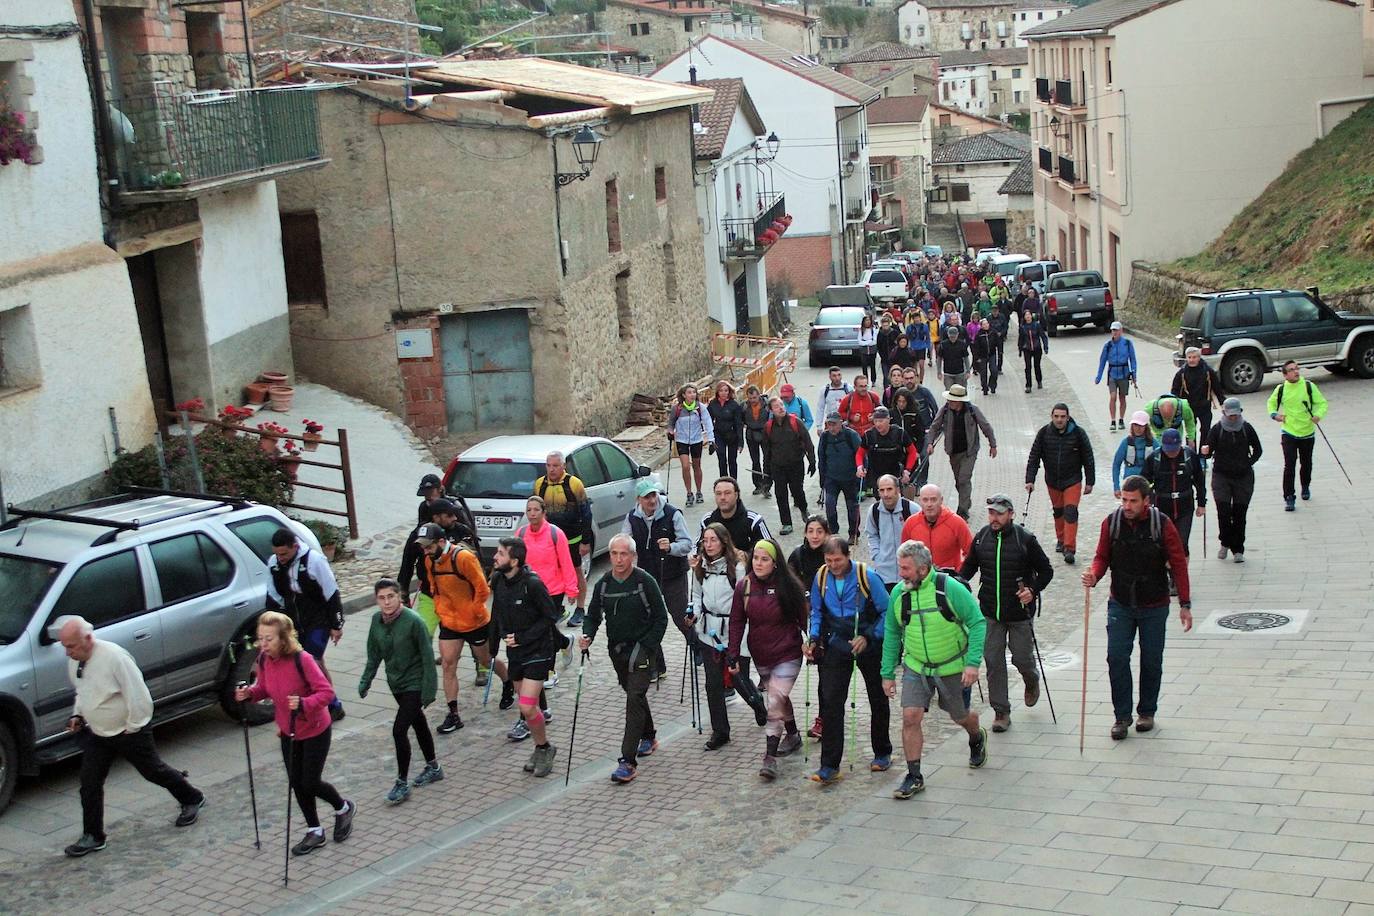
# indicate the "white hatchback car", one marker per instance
pixel 497 476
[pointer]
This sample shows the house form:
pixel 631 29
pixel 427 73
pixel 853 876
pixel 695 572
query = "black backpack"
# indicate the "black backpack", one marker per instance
pixel 941 598
pixel 904 506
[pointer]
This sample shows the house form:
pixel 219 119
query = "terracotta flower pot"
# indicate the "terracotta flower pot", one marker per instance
pixel 267 443
pixel 273 378
pixel 256 392
pixel 291 465
pixel 281 397
pixel 312 441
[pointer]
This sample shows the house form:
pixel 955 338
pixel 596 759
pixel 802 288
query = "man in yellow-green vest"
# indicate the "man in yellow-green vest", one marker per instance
pixel 1299 406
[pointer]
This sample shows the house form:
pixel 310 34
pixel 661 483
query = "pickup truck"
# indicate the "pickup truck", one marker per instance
pixel 1078 298
pixel 1244 333
pixel 885 283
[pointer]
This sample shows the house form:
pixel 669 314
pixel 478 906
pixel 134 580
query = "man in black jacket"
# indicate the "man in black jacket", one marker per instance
pixel 1234 448
pixel 1014 570
pixel 1198 384
pixel 746 526
pixel 1067 454
pixel 786 443
pixel 301 584
pixel 523 617
pixel 954 356
pixel 1180 484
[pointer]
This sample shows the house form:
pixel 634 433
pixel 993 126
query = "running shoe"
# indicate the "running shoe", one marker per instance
pixel 880 764
pixel 343 823
pixel 551 681
pixel 578 616
pixel 1221 553
pixel 625 772
pixel 519 731
pixel 978 750
pixel 911 785
pixel 452 722
pixel 1306 492
pixel 646 747
pixel 482 675
pixel 826 776
pixel 309 844
pixel 716 742
pixel 87 844
pixel 431 773
pixel 815 730
pixel 507 696
pixel 399 792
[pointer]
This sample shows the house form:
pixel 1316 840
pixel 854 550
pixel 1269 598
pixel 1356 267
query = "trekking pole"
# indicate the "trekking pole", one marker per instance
pixel 853 711
pixel 682 693
pixel 696 690
pixel 806 735
pixel 577 702
pixel 687 662
pixel 491 675
pixel 290 786
pixel 252 789
pixel 1333 453
pixel 1044 681
pixel 1083 701
pixel 1204 535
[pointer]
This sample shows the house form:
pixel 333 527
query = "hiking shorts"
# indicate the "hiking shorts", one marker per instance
pixel 1121 386
pixel 477 637
pixel 694 449
pixel 919 689
pixel 534 669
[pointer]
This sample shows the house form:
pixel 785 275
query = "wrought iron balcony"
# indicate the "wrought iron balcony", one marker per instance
pixel 1066 170
pixel 1046 161
pixel 179 144
pixel 1042 89
pixel 742 234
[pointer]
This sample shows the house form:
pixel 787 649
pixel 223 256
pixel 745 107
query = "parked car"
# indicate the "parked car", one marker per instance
pixel 1244 333
pixel 497 476
pixel 1036 273
pixel 1006 264
pixel 934 251
pixel 834 335
pixel 176 579
pixel 885 284
pixel 987 254
pixel 846 295
pixel 906 257
pixel 1077 298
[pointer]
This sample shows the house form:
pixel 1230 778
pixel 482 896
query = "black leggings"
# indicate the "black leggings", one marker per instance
pixel 867 357
pixel 1032 359
pixel 304 769
pixel 410 715
pixel 727 459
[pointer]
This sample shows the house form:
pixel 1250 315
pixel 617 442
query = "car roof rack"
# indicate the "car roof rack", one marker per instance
pixel 115 526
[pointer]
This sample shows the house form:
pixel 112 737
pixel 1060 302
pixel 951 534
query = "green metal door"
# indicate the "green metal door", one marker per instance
pixel 488 384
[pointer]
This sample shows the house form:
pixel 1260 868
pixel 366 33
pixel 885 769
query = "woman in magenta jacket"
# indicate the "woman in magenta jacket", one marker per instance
pixel 771 602
pixel 293 681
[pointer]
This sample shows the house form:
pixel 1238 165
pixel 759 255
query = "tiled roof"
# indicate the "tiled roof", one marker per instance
pixel 884 50
pixel 1018 4
pixel 805 67
pixel 1021 179
pixel 650 6
pixel 780 12
pixel 898 109
pixel 717 115
pixel 1002 57
pixel 993 146
pixel 1105 14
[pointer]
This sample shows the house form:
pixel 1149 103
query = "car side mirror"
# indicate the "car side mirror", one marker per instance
pixel 50 634
pixel 643 471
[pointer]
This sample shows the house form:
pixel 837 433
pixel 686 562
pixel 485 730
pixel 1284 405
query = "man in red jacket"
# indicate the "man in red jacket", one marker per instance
pixel 938 527
pixel 1141 547
pixel 856 408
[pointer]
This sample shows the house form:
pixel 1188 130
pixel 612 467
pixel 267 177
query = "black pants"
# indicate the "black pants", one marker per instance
pixel 713 669
pixel 727 459
pixel 97 754
pixel 1032 359
pixel 634 680
pixel 761 480
pixel 410 715
pixel 1204 420
pixel 1293 450
pixel 1180 512
pixel 988 371
pixel 790 478
pixel 1231 496
pixel 675 598
pixel 835 674
pixel 305 768
pixel 867 359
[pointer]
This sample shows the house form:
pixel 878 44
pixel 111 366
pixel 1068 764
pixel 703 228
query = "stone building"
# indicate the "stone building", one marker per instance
pixel 457 266
pixel 659 29
pixel 900 138
pixel 953 25
pixel 876 64
pixel 277 24
pixel 980 179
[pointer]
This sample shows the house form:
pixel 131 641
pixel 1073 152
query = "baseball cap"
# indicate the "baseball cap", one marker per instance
pixel 645 487
pixel 428 534
pixel 834 416
pixel 1000 502
pixel 427 482
pixel 1117 326
pixel 443 506
pixel 786 390
pixel 1172 440
pixel 1231 407
pixel 1140 418
pixel 881 413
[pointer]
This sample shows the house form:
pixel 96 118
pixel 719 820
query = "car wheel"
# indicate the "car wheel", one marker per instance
pixel 9 765
pixel 1242 373
pixel 1051 329
pixel 811 359
pixel 242 670
pixel 1362 358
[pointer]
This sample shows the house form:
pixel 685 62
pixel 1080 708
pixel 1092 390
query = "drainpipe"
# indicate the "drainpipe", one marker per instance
pixel 104 131
pixel 1093 112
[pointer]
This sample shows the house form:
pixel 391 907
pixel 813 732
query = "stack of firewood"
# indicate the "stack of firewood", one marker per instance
pixel 647 410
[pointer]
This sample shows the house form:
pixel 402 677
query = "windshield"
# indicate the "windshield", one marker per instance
pixel 1076 281
pixel 887 276
pixel 23 583
pixel 840 316
pixel 494 478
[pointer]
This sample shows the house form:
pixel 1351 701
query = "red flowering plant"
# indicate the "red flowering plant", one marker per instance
pixel 17 141
pixel 292 450
pixel 195 405
pixel 273 430
pixel 314 426
pixel 231 413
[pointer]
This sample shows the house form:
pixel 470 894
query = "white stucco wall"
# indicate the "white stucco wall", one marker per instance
pixel 717 200
pixel 242 281
pixel 1023 19
pixel 983 179
pixel 913 25
pixel 967 88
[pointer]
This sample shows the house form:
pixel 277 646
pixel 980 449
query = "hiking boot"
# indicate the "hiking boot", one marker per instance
pixel 431 773
pixel 1221 553
pixel 1120 729
pixel 482 675
pixel 452 722
pixel 625 772
pixel 1144 724
pixel 551 681
pixel 343 823
pixel 1306 493
pixel 1001 723
pixel 399 792
pixel 880 764
pixel 1058 546
pixel 716 742
pixel 815 730
pixel 978 750
pixel 769 768
pixel 689 500
pixel 1289 504
pixel 826 776
pixel 913 784
pixel 529 764
pixel 577 618
pixel 757 490
pixel 1068 556
pixel 189 813
pixel 1032 693
pixel 646 747
pixel 519 731
pixel 87 844
pixel 1238 558
pixel 309 844
pixel 507 696
pixel 1028 389
pixel 788 744
pixel 543 763
pixel 785 530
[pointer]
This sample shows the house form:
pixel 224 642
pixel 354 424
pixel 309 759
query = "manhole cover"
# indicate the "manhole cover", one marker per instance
pixel 1250 621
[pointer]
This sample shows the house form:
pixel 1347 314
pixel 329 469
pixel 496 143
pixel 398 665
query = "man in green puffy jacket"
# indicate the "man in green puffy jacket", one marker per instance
pixel 941 647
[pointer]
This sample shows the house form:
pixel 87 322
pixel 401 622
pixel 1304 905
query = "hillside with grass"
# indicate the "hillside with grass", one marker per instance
pixel 1314 225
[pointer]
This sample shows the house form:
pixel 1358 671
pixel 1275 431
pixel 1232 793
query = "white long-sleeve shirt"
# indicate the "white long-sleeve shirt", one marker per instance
pixel 110 693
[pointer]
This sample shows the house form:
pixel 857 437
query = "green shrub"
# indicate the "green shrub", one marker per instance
pixel 230 466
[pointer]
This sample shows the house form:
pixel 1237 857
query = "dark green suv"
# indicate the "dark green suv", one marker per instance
pixel 1244 333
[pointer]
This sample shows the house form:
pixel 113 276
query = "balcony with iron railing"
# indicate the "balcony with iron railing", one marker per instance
pixel 744 236
pixel 1046 161
pixel 1065 96
pixel 1042 89
pixel 175 146
pixel 885 187
pixel 1069 173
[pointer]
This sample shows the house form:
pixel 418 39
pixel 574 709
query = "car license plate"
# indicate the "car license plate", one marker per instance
pixel 1082 314
pixel 500 522
pixel 841 352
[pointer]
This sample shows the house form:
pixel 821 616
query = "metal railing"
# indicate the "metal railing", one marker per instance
pixel 172 140
pixel 884 186
pixel 1063 93
pixel 1046 161
pixel 742 234
pixel 852 148
pixel 1042 89
pixel 1066 170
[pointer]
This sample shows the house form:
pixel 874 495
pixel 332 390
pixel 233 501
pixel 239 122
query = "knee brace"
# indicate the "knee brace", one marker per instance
pixel 529 706
pixel 1058 511
pixel 1071 514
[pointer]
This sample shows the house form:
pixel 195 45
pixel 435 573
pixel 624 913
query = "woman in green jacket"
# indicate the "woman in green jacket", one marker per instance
pixel 398 637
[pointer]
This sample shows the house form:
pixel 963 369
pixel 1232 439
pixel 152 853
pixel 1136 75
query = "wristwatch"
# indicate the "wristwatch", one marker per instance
pixel 1186 605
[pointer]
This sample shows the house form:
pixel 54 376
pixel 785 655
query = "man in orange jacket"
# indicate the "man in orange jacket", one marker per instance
pixel 946 534
pixel 460 601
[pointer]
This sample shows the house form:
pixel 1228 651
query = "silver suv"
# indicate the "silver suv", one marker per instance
pixel 175 578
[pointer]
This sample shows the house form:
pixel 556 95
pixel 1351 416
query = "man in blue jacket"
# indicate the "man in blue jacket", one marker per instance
pixel 848 608
pixel 836 458
pixel 1118 359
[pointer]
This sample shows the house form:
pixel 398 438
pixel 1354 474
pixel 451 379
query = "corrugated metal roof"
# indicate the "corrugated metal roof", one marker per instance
pixel 557 80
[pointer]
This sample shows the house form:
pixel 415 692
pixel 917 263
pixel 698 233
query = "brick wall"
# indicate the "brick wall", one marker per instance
pixel 426 411
pixel 803 261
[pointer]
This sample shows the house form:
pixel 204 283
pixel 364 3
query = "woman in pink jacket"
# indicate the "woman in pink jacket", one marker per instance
pixel 547 553
pixel 293 681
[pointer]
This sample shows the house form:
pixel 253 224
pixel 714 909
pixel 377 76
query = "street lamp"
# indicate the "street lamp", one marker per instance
pixel 773 144
pixel 586 145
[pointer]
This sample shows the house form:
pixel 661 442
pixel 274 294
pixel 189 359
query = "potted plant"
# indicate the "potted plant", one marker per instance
pixel 313 429
pixel 232 415
pixel 192 407
pixel 280 397
pixel 291 460
pixel 331 537
pixel 269 435
pixel 17 142
pixel 256 392
pixel 272 378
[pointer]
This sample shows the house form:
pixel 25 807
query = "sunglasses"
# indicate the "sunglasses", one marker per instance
pixel 80 669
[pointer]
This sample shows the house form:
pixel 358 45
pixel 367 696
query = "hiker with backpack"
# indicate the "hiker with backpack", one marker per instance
pixel 954 355
pixel 1170 412
pixel 460 599
pixel 934 628
pixel 958 422
pixel 945 534
pixel 1137 445
pixel 715 568
pixel 836 390
pixel 301 583
pixel 1067 453
pixel 727 418
pixel 1179 483
pixel 883 526
pixel 523 617
pixel 549 555
pixel 1299 406
pixel 1119 363
pixel 848 606
pixel 805 561
pixel 771 604
pixel 856 408
pixel 662 544
pixel 837 453
pixel 786 445
pixel 1013 571
pixel 1234 448
pixel 567 506
pixel 756 416
pixel 746 526
pixel 1201 386
pixel 886 450
pixel 1142 549
pixel 689 431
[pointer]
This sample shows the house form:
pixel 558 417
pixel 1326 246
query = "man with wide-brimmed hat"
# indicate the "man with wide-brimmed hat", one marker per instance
pixel 959 422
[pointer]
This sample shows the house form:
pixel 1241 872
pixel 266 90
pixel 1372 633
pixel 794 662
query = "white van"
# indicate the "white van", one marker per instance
pixel 1006 264
pixel 1037 273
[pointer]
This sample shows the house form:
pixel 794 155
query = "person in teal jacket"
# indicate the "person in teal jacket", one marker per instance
pixel 398 636
pixel 1299 406
pixel 935 627
pixel 1135 447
